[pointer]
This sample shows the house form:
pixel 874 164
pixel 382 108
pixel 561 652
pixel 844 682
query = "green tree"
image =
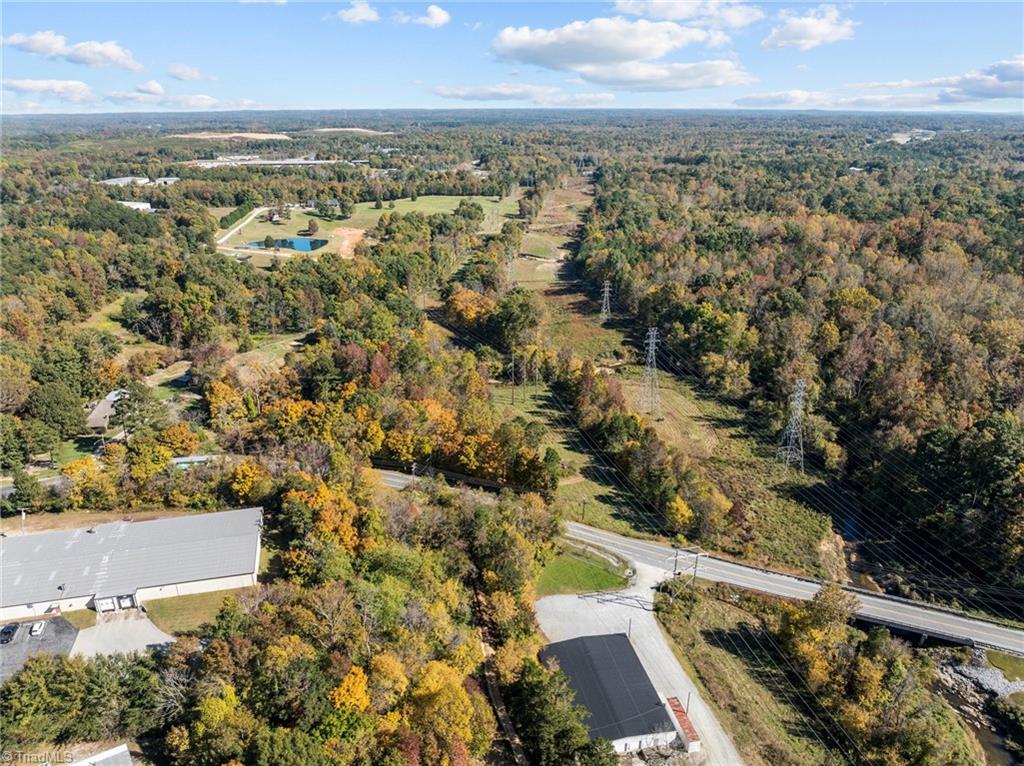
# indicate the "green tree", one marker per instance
pixel 56 405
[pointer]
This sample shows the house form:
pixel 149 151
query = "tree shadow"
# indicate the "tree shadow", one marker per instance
pixel 750 645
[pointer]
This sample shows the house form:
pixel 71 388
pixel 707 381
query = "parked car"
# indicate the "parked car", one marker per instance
pixel 37 628
pixel 7 633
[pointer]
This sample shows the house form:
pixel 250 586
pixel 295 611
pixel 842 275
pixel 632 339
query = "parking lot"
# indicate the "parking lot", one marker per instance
pixel 57 638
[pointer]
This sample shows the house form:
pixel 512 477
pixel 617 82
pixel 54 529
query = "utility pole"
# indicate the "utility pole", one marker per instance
pixel 509 265
pixel 791 451
pixel 651 399
pixel 606 301
pixel 513 377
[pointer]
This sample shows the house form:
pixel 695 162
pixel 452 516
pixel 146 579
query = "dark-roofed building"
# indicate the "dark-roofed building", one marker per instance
pixel 609 681
pixel 119 565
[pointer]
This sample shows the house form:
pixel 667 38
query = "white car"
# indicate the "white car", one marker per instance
pixel 37 628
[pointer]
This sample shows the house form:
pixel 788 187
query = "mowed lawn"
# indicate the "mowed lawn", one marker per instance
pixel 181 614
pixel 297 225
pixel 496 211
pixel 577 571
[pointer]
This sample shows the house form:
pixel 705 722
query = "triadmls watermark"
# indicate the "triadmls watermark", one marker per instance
pixel 42 758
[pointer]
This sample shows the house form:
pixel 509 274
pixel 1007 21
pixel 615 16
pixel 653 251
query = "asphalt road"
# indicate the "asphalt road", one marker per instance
pixel 885 610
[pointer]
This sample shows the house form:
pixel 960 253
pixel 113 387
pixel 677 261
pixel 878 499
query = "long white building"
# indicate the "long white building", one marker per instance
pixel 120 565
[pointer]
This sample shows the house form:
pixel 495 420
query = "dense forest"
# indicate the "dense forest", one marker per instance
pixel 765 250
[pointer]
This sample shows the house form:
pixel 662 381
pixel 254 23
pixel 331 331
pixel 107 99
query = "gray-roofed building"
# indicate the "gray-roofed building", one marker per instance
pixel 121 564
pixel 608 680
pixel 165 181
pixel 98 420
pixel 126 181
pixel 115 756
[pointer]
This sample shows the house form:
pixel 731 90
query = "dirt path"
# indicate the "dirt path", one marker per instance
pixel 244 222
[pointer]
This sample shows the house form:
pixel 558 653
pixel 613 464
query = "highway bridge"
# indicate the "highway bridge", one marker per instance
pixel 891 611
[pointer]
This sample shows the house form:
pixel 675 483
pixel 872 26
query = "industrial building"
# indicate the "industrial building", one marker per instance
pixel 122 564
pixel 610 682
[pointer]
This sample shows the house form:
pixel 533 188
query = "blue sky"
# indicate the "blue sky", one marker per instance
pixel 108 57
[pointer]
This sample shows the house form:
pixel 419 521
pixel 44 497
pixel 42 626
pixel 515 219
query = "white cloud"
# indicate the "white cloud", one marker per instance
pixel 721 14
pixel 435 17
pixel 661 76
pixel 186 73
pixel 90 52
pixel 65 90
pixel 358 12
pixel 622 53
pixel 594 43
pixel 820 26
pixel 540 95
pixel 188 102
pixel 150 87
pixel 1004 79
pixel 1000 81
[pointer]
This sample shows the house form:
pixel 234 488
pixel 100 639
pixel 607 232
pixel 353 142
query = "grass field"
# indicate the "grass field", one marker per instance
pixel 181 614
pixel 104 320
pixel 1012 667
pixel 724 650
pixel 575 570
pixel 496 211
pixel 80 618
pixel 338 234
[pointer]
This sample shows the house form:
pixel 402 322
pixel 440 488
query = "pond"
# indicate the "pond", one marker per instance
pixel 301 244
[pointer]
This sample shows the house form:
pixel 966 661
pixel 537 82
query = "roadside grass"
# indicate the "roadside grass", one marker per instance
pixel 722 648
pixel 575 570
pixel 74 449
pixel 183 614
pixel 50 522
pixel 1011 666
pixel 80 618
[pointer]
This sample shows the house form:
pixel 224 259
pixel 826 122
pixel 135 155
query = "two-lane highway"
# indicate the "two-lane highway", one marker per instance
pixel 886 610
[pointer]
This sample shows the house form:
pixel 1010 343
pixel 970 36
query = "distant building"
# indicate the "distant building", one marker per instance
pixel 126 181
pixel 142 207
pixel 98 421
pixel 115 756
pixel 122 564
pixel 165 181
pixel 609 681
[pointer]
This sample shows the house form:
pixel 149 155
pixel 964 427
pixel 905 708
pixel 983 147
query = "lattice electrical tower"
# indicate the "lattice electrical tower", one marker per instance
pixel 791 450
pixel 651 399
pixel 606 301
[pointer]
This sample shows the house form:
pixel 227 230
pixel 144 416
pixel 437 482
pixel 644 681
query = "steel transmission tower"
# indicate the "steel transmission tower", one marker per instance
pixel 606 301
pixel 651 399
pixel 792 449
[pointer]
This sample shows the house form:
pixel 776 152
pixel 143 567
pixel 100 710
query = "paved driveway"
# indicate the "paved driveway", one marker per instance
pixel 632 611
pixel 119 633
pixel 57 638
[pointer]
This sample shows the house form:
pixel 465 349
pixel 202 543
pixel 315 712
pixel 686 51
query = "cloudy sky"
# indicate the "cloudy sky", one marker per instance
pixel 122 56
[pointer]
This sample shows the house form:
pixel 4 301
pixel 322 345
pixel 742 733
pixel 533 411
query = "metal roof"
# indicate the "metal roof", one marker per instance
pixel 118 558
pixel 609 681
pixel 115 756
